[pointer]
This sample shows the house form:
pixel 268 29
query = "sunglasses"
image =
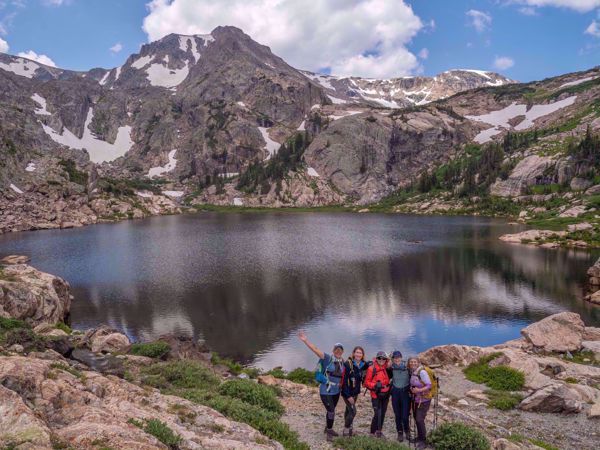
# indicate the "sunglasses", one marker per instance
pixel 381 359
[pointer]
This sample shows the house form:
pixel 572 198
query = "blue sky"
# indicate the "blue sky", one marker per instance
pixel 514 37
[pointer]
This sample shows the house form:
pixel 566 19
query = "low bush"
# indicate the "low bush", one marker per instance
pixel 252 393
pixel 234 367
pixel 64 327
pixel 180 374
pixel 11 324
pixel 500 378
pixel 302 376
pixel 160 431
pixel 367 443
pixel 503 400
pixel 458 436
pixel 156 349
pixel 543 444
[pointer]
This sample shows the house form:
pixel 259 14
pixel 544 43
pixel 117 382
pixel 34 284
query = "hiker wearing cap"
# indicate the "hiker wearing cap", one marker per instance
pixel 330 376
pixel 356 368
pixel 398 373
pixel 377 381
pixel 420 384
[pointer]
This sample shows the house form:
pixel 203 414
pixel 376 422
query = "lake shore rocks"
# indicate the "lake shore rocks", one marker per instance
pixel 33 296
pixel 558 333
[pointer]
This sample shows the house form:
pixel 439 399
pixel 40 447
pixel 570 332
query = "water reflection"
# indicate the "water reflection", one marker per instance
pixel 247 282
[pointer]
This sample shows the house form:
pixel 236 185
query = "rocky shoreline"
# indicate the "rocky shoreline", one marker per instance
pixel 87 389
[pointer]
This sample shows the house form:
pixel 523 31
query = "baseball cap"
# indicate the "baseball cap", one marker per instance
pixel 397 354
pixel 338 345
pixel 381 355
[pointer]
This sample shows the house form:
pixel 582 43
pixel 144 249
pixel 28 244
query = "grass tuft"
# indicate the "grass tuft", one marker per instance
pixel 156 349
pixel 500 378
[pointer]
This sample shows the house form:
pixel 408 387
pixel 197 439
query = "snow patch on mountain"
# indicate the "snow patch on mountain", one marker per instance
pixel 104 79
pixel 337 101
pixel 21 66
pixel 500 119
pixel 169 167
pixel 270 145
pixel 161 75
pixel 142 61
pixel 42 110
pixel 576 82
pixel 174 194
pixel 99 150
pixel 16 189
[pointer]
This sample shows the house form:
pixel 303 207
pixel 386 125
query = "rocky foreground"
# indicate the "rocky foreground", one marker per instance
pixel 71 389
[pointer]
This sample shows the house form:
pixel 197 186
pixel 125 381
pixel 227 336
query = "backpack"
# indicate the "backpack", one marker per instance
pixel 435 381
pixel 320 375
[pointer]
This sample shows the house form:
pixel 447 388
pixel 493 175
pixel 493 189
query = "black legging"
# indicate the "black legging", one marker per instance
pixel 420 412
pixel 350 411
pixel 330 402
pixel 401 405
pixel 380 405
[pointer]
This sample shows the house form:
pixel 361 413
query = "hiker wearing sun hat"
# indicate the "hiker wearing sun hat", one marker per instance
pixel 330 376
pixel 377 381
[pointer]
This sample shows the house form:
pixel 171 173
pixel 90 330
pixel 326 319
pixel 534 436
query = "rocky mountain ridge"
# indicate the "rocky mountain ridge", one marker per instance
pixel 202 119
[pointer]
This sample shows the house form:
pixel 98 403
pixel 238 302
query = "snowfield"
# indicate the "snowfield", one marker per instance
pixel 160 75
pixel 270 145
pixel 42 110
pixel 576 82
pixel 337 101
pixel 22 67
pixel 500 119
pixel 174 194
pixel 156 171
pixel 99 150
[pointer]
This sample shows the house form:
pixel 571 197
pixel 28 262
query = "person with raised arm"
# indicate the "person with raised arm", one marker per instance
pixel 330 376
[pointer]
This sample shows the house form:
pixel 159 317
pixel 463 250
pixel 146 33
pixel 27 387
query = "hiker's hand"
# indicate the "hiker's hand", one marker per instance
pixel 302 336
pixel 378 386
pixel 351 400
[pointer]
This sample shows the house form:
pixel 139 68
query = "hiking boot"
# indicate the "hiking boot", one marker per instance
pixel 400 437
pixel 331 432
pixel 379 435
pixel 421 444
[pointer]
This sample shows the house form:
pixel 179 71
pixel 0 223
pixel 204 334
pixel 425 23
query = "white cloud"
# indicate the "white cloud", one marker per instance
pixel 56 2
pixel 359 37
pixel 3 46
pixel 593 29
pixel 424 53
pixel 116 48
pixel 503 62
pixel 528 11
pixel 42 59
pixel 480 20
pixel 576 5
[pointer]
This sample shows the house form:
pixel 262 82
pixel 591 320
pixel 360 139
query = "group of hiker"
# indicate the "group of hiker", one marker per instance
pixel 409 386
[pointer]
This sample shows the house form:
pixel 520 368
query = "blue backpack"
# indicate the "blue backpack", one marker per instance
pixel 320 372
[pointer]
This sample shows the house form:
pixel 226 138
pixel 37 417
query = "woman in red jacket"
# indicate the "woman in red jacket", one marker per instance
pixel 377 381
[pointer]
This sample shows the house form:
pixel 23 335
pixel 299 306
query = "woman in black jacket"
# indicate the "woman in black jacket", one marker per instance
pixel 356 368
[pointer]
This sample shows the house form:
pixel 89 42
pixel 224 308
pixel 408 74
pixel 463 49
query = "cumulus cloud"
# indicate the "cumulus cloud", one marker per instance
pixel 3 46
pixel 480 20
pixel 503 62
pixel 576 5
pixel 358 37
pixel 593 29
pixel 528 11
pixel 116 48
pixel 424 53
pixel 42 59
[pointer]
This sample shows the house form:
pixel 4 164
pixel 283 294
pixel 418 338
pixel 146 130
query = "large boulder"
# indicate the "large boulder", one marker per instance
pixel 104 339
pixel 591 334
pixel 450 354
pixel 557 333
pixel 33 296
pixel 554 398
pixel 14 259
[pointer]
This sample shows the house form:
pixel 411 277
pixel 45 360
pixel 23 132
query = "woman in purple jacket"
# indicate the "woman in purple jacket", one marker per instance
pixel 420 384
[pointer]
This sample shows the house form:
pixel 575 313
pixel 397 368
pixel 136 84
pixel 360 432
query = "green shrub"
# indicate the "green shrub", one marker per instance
pixel 234 367
pixel 366 443
pixel 458 436
pixel 11 324
pixel 500 378
pixel 156 349
pixel 160 431
pixel 302 376
pixel 265 421
pixel 72 370
pixel 543 444
pixel 277 372
pixel 252 393
pixel 180 374
pixel 64 327
pixel 503 400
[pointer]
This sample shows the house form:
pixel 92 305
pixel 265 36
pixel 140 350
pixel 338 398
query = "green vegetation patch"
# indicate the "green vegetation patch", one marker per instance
pixel 75 175
pixel 366 443
pixel 64 327
pixel 503 400
pixel 234 367
pixel 160 431
pixel 500 378
pixel 458 436
pixel 253 394
pixel 180 374
pixel 156 349
pixel 298 375
pixel 586 357
pixel 66 368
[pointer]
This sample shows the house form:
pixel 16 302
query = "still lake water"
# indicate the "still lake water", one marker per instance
pixel 246 283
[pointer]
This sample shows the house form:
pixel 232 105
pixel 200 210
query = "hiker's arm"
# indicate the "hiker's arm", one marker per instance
pixel 369 379
pixel 310 345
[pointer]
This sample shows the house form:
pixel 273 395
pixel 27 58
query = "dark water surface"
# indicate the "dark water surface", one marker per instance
pixel 246 283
